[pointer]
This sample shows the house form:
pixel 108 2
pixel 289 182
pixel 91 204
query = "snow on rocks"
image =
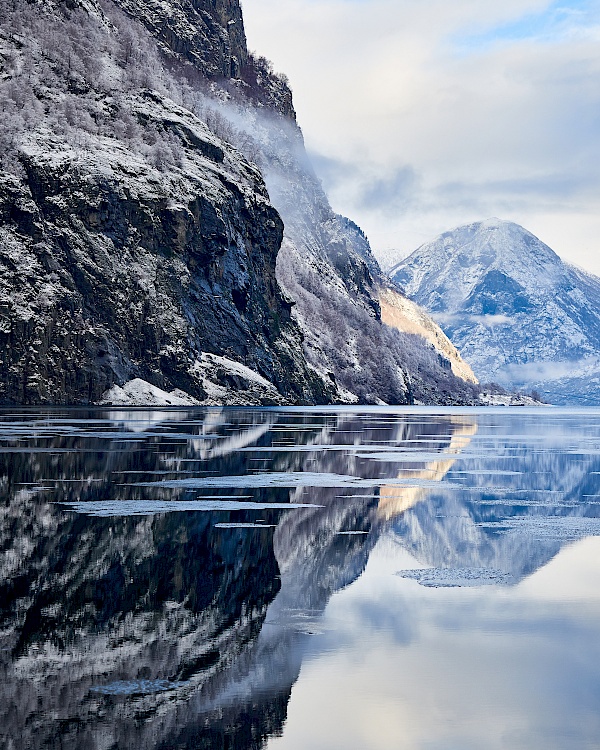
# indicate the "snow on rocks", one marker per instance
pixel 138 392
pixel 225 382
pixel 231 383
pixel 519 315
pixel 508 399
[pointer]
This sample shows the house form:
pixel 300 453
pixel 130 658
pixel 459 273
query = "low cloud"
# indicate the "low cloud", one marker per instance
pixel 543 372
pixel 490 321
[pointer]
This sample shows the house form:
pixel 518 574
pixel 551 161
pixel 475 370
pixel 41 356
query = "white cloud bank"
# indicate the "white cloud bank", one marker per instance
pixel 424 114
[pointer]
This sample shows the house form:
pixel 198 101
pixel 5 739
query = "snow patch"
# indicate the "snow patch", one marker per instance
pixel 226 381
pixel 138 392
pixel 508 399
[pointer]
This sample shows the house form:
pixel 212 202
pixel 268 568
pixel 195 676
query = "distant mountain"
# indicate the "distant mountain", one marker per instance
pixel 518 314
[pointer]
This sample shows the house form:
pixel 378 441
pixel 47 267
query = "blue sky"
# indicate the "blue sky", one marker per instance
pixel 555 22
pixel 422 115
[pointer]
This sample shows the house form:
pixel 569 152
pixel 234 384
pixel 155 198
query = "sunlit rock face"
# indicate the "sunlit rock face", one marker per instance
pixel 402 313
pixel 517 313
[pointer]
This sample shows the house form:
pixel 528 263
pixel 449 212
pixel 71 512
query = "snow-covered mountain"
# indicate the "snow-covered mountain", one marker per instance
pixel 519 315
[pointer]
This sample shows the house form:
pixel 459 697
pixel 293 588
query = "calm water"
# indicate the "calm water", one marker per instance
pixel 300 579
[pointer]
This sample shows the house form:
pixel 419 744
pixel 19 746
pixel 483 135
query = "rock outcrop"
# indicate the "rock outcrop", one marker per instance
pixel 208 33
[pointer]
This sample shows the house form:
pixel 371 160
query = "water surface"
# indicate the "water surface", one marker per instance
pixel 293 578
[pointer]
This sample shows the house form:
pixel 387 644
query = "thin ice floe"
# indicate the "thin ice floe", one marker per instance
pixel 110 508
pixel 547 527
pixel 419 457
pixel 136 687
pixel 244 526
pixel 457 577
pixel 293 479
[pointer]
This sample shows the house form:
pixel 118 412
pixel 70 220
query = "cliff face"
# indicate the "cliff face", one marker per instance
pixel 133 241
pixel 115 279
pixel 327 268
pixel 137 236
pixel 209 36
pixel 208 33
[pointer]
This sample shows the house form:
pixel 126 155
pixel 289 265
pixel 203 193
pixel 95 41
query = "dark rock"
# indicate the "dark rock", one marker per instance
pixel 111 270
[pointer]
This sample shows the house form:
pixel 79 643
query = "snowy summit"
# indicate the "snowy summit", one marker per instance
pixel 517 313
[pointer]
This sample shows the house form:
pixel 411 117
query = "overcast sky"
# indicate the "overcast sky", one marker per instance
pixel 421 115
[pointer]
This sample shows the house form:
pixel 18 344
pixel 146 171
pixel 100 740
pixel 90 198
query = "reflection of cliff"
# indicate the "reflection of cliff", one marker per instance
pixel 317 555
pixel 394 501
pixel 196 633
pixel 140 604
pixel 319 550
pixel 166 598
pixel 134 604
pixel 522 501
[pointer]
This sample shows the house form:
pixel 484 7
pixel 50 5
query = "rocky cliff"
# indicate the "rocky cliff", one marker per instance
pixel 208 33
pixel 133 239
pixel 148 161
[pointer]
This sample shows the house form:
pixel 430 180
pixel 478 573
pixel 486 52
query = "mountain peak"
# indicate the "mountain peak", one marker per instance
pixel 506 301
pixel 495 223
pixel 491 244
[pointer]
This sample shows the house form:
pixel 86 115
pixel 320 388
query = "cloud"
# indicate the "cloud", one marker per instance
pixel 427 115
pixel 387 193
pixel 487 320
pixel 543 372
pixel 391 192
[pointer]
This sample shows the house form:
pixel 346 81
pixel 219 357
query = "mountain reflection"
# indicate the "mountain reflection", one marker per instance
pixel 132 628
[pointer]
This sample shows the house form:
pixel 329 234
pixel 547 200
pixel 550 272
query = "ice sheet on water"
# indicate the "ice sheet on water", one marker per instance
pixel 487 472
pixel 109 508
pixel 294 479
pixel 244 526
pixel 397 457
pixel 547 527
pixel 457 577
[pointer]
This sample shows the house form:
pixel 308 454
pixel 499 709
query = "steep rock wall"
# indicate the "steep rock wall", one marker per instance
pixel 111 269
pixel 133 241
pixel 208 33
pixel 158 237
